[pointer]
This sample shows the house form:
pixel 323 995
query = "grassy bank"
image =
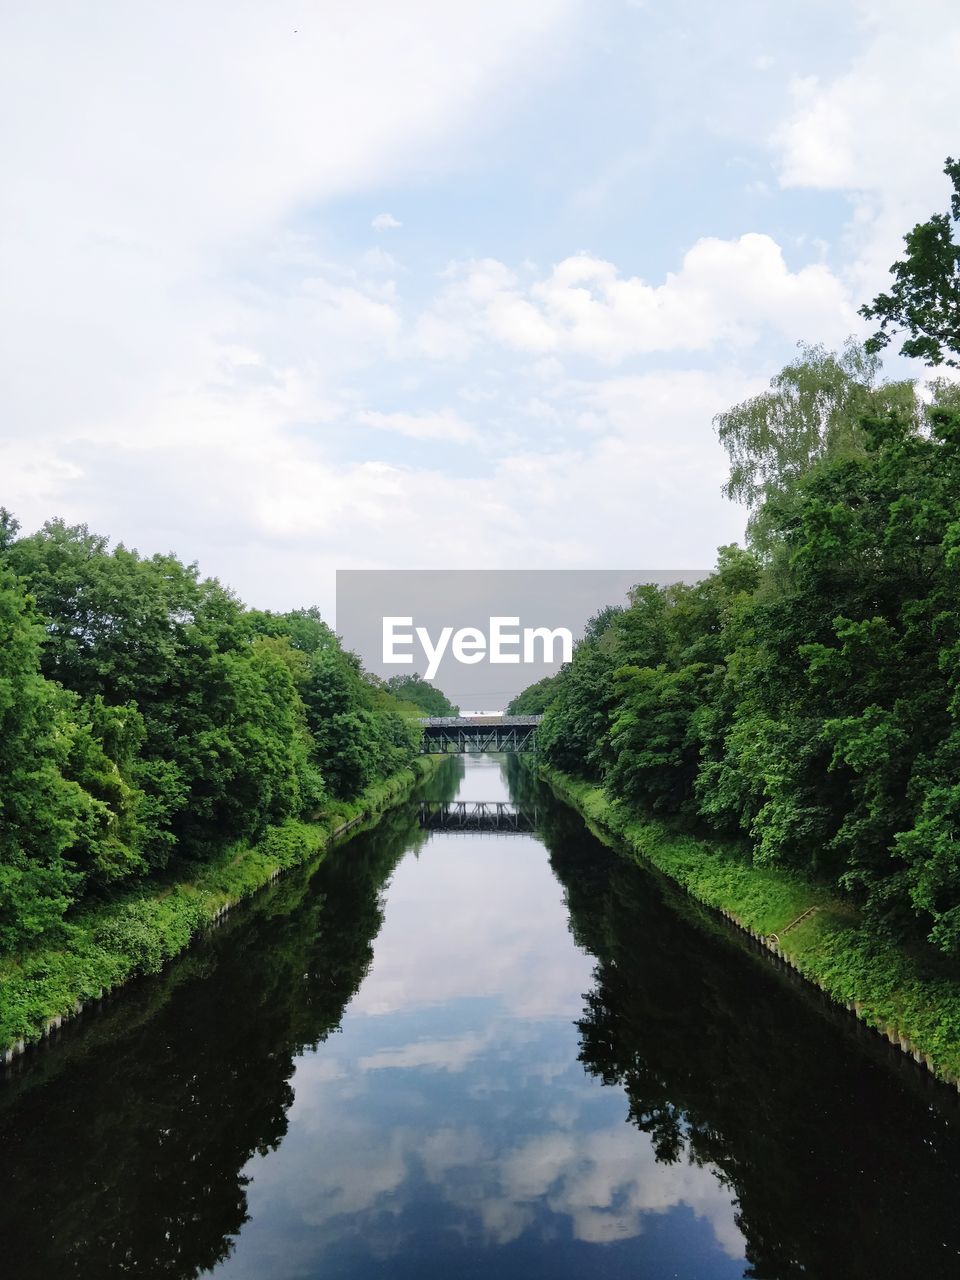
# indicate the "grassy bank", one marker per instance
pixel 911 995
pixel 103 946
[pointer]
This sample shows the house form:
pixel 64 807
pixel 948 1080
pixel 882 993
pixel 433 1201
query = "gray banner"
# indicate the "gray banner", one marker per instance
pixel 479 635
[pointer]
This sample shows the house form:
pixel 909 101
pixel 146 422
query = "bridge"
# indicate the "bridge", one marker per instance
pixel 495 816
pixel 468 735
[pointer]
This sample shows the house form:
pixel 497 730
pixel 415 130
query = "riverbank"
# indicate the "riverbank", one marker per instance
pixel 909 995
pixel 104 946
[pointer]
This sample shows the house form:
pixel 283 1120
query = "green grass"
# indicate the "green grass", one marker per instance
pixel 103 946
pixel 908 992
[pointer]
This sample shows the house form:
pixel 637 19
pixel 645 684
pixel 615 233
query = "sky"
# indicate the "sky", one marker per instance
pixel 289 288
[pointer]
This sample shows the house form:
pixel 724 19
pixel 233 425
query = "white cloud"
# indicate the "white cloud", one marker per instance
pixel 484 300
pixel 157 165
pixel 187 359
pixel 727 292
pixel 224 391
pixel 453 1053
pixel 606 1182
pixel 467 950
pixel 379 261
pixel 275 515
pixel 609 1187
pixel 444 426
pixel 881 129
pixel 228 119
pixel 385 222
pixel 871 127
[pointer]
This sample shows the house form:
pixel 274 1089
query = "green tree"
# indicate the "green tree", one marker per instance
pixel 42 812
pixel 813 410
pixel 837 748
pixel 143 710
pixel 426 697
pixel 573 733
pixel 221 754
pixel 358 730
pixel 925 299
pixel 662 705
pixel 534 700
pixel 653 744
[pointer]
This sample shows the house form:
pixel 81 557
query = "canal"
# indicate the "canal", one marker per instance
pixel 474 1047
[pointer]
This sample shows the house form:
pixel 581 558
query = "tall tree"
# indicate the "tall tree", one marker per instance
pixel 813 410
pixel 925 299
pixel 72 814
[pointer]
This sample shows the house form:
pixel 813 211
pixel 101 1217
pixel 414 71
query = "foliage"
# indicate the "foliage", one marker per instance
pixel 814 409
pixel 106 943
pixel 145 713
pixel 664 1021
pixel 42 810
pixel 426 697
pixel 191 1077
pixel 534 700
pixel 914 992
pixel 806 700
pixel 359 730
pixel 925 298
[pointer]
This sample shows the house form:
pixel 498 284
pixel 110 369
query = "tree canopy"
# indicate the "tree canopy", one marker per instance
pixel 813 410
pixel 146 713
pixel 804 697
pixel 426 697
pixel 924 301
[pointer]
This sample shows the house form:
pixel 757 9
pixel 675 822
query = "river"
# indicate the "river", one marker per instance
pixel 474 1053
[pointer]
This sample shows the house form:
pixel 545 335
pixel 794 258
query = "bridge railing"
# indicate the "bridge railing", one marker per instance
pixel 479 722
pixel 476 735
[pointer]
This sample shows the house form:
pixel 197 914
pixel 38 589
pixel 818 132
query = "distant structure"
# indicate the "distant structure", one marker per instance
pixel 472 735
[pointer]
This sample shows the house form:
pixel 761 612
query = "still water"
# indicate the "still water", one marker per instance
pixel 461 1052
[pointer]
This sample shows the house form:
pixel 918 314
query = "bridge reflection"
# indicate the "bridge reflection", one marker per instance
pixel 497 816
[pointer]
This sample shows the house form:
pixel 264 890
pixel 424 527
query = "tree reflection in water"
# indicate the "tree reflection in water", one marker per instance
pixel 123 1147
pixel 128 1148
pixel 840 1165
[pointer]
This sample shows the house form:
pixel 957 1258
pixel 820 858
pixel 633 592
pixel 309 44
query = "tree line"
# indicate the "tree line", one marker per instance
pixel 430 700
pixel 146 715
pixel 805 696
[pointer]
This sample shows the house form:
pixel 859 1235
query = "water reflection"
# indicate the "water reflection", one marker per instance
pixel 500 816
pixel 840 1165
pixel 123 1147
pixel 468 1117
pixel 460 1134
